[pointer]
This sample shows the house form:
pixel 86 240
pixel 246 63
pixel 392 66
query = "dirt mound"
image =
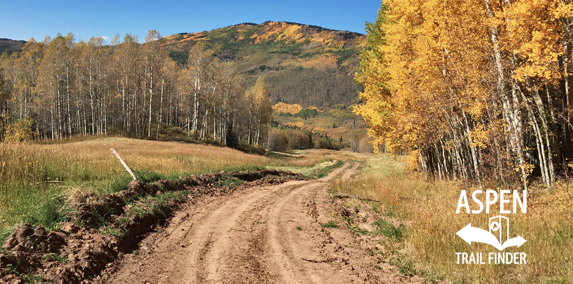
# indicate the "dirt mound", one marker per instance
pixel 104 227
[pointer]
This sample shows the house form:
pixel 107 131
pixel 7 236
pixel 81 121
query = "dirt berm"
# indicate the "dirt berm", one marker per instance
pixel 101 228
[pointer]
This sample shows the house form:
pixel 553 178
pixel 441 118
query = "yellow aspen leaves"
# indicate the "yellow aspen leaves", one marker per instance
pixel 469 89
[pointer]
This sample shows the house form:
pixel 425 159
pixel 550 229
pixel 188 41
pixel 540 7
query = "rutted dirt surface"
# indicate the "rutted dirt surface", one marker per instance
pixel 101 228
pixel 264 234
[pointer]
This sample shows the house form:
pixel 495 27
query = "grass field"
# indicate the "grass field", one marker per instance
pixel 37 179
pixel 428 207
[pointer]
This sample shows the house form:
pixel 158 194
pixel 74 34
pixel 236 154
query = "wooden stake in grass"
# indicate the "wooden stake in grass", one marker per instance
pixel 124 164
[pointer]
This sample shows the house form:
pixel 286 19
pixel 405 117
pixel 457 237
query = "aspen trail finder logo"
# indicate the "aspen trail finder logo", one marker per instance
pixel 498 234
pixel 496 227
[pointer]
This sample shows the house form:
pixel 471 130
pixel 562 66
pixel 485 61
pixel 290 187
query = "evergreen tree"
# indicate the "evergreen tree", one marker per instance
pixel 231 140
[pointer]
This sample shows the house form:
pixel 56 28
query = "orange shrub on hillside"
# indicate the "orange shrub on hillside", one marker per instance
pixel 287 108
pixel 298 124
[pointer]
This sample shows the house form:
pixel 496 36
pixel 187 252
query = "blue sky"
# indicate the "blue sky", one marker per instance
pixel 21 19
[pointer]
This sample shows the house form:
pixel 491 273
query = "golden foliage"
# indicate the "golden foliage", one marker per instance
pixel 281 107
pixel 19 131
pixel 458 83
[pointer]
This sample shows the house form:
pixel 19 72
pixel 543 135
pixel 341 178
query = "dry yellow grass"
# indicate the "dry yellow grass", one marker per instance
pixel 19 161
pixel 429 210
pixel 36 179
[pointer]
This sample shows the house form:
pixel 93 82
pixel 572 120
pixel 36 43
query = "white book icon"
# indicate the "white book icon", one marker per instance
pixel 499 227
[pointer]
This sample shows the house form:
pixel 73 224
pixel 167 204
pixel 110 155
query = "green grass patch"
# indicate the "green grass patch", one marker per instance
pixel 386 229
pixel 60 259
pixel 30 203
pixel 111 231
pixel 329 224
pixel 312 171
pixel 323 172
pixel 353 227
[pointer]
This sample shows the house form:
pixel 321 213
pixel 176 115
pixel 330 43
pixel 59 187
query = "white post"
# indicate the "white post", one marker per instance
pixel 124 164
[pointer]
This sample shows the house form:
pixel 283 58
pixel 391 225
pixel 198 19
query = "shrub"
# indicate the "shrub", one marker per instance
pixel 278 141
pixel 231 140
pixel 20 130
pixel 307 113
pixel 251 149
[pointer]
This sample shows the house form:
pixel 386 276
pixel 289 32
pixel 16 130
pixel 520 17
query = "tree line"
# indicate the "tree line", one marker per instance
pixel 68 87
pixel 476 90
pixel 321 88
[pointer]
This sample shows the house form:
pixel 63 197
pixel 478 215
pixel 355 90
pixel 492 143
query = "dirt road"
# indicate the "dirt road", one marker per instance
pixel 260 235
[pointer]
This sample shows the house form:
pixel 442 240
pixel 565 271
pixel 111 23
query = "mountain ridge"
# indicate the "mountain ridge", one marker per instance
pixel 11 45
pixel 282 37
pixel 288 22
pixel 303 64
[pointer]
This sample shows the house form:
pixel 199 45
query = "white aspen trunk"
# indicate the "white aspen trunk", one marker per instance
pixel 259 130
pixel 506 105
pixel 105 114
pixel 150 103
pixel 196 105
pixel 52 121
pixel 543 115
pixel 421 157
pixel 92 99
pixel 499 165
pixel 214 123
pixel 68 106
pixel 446 170
pixel 437 157
pixel 144 103
pixel 100 117
pixel 550 104
pixel 539 141
pixel 78 115
pixel 85 121
pixel 123 110
pixel 100 93
pixel 470 142
pixel 204 124
pixel 134 113
pixel 160 108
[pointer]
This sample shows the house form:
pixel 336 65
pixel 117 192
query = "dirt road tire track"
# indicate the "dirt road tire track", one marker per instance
pixel 261 235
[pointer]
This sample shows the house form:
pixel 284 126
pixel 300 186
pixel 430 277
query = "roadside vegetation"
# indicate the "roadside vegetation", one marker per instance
pixel 37 181
pixel 429 239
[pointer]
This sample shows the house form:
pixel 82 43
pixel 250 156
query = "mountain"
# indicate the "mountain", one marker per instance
pixel 303 64
pixel 11 45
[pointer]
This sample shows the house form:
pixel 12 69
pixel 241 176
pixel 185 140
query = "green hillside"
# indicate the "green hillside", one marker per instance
pixel 306 65
pixel 10 45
